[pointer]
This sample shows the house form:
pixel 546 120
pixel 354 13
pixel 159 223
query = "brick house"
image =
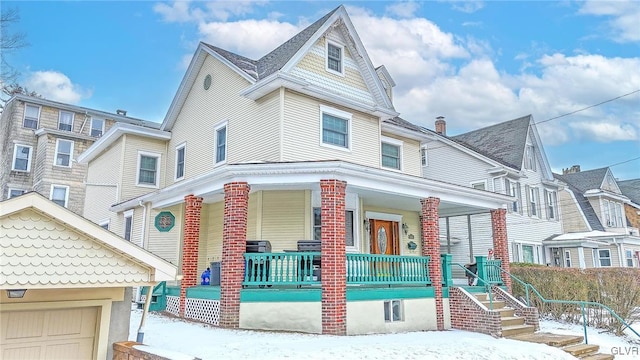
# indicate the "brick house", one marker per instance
pixel 257 159
pixel 41 140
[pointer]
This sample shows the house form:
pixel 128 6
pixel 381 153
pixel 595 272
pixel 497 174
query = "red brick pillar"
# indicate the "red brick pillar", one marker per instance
pixel 500 242
pixel 334 257
pixel 431 248
pixel 234 243
pixel 191 239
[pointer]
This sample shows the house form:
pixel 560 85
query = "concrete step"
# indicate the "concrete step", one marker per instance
pixel 482 296
pixel 598 356
pixel 496 304
pixel 506 312
pixel 509 331
pixel 550 339
pixel 512 320
pixel 581 349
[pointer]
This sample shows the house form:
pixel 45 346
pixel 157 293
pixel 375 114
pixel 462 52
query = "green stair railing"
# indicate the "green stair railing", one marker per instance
pixel 487 285
pixel 583 304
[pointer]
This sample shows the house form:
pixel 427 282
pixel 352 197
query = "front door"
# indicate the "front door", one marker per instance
pixel 384 237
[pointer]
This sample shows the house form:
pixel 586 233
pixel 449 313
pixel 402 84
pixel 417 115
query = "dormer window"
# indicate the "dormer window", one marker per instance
pixel 334 58
pixel 530 158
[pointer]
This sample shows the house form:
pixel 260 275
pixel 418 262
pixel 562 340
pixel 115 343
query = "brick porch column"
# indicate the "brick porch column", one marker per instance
pixel 334 257
pixel 431 248
pixel 190 242
pixel 500 242
pixel 234 243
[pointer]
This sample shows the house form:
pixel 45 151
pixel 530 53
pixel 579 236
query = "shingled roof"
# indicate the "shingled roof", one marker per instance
pixel 398 121
pixel 631 189
pixel 276 59
pixel 578 184
pixel 503 142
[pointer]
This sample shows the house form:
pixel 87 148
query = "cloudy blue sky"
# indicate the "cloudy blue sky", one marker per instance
pixel 475 62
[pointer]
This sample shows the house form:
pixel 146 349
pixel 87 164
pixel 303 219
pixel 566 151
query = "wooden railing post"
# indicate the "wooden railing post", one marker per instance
pixel 481 263
pixel 447 278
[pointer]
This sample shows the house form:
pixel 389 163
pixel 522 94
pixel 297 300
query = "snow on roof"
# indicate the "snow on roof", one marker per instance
pixel 595 235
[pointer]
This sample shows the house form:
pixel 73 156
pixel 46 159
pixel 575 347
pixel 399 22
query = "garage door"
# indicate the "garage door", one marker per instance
pixel 48 334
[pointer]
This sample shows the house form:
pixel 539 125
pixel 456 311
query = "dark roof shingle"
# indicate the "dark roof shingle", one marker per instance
pixel 578 187
pixel 631 189
pixel 586 180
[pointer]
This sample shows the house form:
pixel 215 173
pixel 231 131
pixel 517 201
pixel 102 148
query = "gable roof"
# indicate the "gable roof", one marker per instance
pixel 45 245
pixel 503 142
pixel 631 189
pixel 578 187
pixel 586 180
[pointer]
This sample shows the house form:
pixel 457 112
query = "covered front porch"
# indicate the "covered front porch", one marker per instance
pixel 377 267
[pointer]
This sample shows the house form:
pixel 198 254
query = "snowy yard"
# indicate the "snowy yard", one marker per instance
pixel 208 342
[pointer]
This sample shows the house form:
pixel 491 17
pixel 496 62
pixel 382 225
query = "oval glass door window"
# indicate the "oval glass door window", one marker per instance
pixel 382 240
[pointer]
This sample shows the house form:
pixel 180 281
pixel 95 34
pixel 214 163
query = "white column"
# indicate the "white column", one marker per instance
pixel 581 258
pixel 623 258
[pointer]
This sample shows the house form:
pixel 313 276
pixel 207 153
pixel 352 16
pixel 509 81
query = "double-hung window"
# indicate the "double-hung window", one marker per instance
pixel 21 158
pixel 552 200
pixel 31 116
pixel 619 221
pixel 128 224
pixel 533 198
pixel 97 127
pixel 64 152
pixel 391 153
pixel 530 158
pixel 567 258
pixel 59 194
pixel 604 256
pixel 65 121
pixel 513 189
pixel 148 165
pixel 608 219
pixel 348 222
pixel 180 151
pixel 336 128
pixel 221 143
pixel 629 257
pixel 334 58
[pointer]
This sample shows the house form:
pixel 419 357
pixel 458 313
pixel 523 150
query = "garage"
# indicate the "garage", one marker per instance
pixel 49 334
pixel 65 282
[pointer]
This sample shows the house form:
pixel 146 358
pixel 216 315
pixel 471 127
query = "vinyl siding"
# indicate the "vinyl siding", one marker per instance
pixel 283 218
pixel 466 169
pixel 214 224
pixel 97 203
pixel 165 244
pixel 575 260
pixel 410 155
pixel 134 144
pixel 588 257
pixel 253 126
pixel 301 134
pixel 572 219
pixel 103 187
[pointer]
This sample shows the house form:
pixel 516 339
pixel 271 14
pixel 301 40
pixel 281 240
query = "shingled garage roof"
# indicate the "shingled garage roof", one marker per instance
pixel 44 245
pixel 502 142
pixel 578 185
pixel 276 59
pixel 631 189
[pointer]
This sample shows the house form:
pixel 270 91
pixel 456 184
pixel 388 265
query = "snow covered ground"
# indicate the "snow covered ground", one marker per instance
pixel 166 336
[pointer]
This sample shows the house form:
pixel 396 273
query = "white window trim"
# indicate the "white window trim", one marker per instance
pixel 219 126
pixel 424 150
pixel 184 167
pixel 600 258
pixel 66 193
pixel 394 142
pixel 326 58
pixel 484 182
pixel 150 154
pixel 73 119
pixel 352 203
pixel 530 157
pixel 390 304
pixel 343 115
pixel 55 156
pixel 104 222
pixel 29 159
pixel 567 258
pixel 91 126
pixel 534 194
pixel 24 115
pixel 127 215
pixel 14 189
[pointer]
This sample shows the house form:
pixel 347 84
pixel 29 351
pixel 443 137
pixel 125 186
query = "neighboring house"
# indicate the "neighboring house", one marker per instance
pixel 505 158
pixel 596 233
pixel 65 284
pixel 631 189
pixel 302 144
pixel 41 140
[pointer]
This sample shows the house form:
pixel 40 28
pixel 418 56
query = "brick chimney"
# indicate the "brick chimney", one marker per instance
pixel 441 126
pixel 572 170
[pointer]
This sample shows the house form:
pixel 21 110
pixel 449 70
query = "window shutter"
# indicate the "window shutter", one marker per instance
pixel 539 203
pixel 545 192
pixel 527 192
pixel 519 195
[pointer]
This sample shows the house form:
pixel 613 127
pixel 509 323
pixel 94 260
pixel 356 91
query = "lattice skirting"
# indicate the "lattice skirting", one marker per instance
pixel 207 311
pixel 173 305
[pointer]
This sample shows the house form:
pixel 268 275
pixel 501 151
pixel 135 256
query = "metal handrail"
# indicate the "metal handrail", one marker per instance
pixel 569 302
pixel 487 285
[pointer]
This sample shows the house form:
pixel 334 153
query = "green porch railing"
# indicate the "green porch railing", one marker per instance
pixel 387 269
pixel 487 285
pixel 158 296
pixel 302 268
pixel 489 270
pixel 447 277
pixel 583 304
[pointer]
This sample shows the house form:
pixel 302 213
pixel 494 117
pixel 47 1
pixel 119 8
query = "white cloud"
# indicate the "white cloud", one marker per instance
pixel 605 131
pixel 467 6
pixel 56 86
pixel 182 11
pixel 624 17
pixel 405 9
pixel 179 11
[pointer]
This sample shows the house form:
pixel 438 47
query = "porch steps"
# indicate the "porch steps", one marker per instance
pixel 572 344
pixel 512 324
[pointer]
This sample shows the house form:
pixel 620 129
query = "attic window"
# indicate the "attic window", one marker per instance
pixel 334 58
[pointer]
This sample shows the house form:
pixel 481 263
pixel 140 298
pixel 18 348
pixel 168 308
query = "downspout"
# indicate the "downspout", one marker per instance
pixel 145 311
